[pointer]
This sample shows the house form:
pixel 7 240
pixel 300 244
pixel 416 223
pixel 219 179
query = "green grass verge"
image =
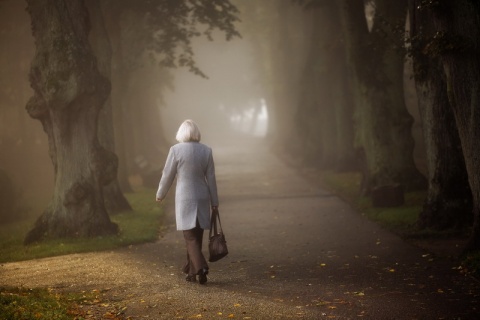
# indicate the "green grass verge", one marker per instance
pixel 46 304
pixel 21 303
pixel 139 226
pixel 397 219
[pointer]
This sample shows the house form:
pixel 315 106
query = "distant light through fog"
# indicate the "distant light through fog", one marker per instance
pixel 227 105
pixel 253 120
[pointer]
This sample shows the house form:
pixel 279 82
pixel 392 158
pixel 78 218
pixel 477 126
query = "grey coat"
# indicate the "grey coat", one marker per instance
pixel 196 190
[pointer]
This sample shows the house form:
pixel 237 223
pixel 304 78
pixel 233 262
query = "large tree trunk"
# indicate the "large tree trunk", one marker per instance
pixel 316 111
pixel 285 74
pixel 449 200
pixel 458 26
pixel 115 201
pixel 327 113
pixel 119 78
pixel 383 122
pixel 69 93
pixel 343 104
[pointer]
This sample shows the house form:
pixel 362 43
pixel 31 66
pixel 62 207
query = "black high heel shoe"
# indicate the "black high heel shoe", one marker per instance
pixel 202 276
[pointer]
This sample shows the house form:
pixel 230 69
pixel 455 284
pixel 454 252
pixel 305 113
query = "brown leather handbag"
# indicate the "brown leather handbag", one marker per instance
pixel 217 245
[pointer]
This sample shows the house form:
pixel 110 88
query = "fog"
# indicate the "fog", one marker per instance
pixel 227 104
pixel 279 83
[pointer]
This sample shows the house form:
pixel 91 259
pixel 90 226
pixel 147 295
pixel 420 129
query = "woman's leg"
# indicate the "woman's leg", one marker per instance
pixel 195 260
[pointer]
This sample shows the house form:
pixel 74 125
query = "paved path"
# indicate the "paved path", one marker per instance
pixel 297 251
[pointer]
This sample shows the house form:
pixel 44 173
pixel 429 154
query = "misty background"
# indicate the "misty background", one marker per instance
pixel 238 100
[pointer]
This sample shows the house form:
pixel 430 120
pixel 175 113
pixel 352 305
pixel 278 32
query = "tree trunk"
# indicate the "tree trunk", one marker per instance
pixel 458 26
pixel 316 111
pixel 285 74
pixel 449 201
pixel 113 19
pixel 115 201
pixel 346 159
pixel 69 92
pixel 383 122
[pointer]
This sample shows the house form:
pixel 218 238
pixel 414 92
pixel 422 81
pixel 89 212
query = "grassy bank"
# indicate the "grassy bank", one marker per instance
pixel 400 220
pixel 45 304
pixel 139 226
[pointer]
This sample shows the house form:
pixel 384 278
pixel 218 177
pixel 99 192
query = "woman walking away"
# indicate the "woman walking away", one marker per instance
pixel 195 194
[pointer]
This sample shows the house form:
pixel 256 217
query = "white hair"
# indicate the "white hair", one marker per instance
pixel 188 131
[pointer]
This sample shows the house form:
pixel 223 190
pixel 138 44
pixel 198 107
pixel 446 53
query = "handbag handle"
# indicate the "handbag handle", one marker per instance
pixel 213 222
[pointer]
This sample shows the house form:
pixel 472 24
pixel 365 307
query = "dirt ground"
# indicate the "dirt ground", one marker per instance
pixel 296 251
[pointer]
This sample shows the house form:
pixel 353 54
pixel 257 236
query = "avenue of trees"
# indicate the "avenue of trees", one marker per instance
pixel 339 103
pixel 332 75
pixel 84 51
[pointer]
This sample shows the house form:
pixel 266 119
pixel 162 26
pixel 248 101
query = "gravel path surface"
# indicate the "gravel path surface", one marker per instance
pixel 296 251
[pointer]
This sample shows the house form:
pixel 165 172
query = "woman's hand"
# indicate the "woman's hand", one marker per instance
pixel 158 200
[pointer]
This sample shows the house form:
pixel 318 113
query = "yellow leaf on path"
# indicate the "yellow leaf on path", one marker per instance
pixel 237 305
pixel 231 315
pixel 109 315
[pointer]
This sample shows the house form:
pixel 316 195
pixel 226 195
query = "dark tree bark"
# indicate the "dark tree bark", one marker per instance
pixel 69 92
pixel 114 21
pixel 449 201
pixel 458 44
pixel 115 201
pixel 325 112
pixel 382 120
pixel 283 73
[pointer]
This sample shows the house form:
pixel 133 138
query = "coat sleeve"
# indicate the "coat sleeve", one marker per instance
pixel 168 175
pixel 211 180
